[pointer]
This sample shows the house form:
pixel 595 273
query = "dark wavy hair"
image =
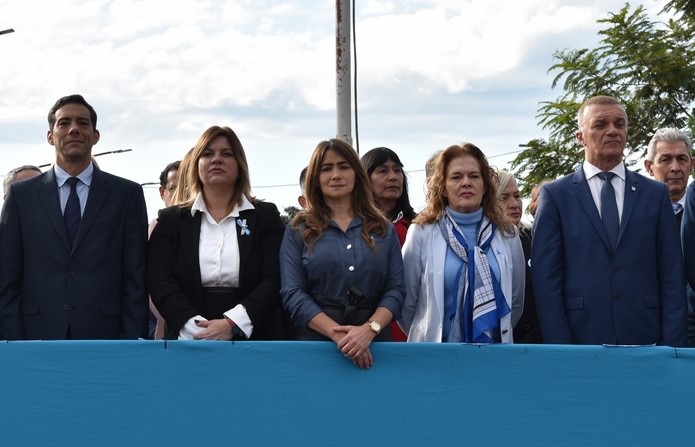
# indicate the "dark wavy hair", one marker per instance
pixel 377 157
pixel 317 214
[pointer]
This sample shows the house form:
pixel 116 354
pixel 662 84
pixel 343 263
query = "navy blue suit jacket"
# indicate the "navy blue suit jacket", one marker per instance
pixel 588 293
pixel 97 288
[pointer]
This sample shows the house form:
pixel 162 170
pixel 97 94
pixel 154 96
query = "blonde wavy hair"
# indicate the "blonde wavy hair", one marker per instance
pixel 190 184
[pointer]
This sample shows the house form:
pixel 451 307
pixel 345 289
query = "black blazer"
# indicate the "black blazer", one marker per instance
pixel 97 288
pixel 173 269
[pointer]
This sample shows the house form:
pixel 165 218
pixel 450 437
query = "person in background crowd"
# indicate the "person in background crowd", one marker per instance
pixel 17 174
pixel 302 186
pixel 669 160
pixel 527 330
pixel 168 181
pixel 607 264
pixel 341 267
pixel 429 170
pixel 533 203
pixel 464 264
pixel 390 188
pixel 213 269
pixel 72 264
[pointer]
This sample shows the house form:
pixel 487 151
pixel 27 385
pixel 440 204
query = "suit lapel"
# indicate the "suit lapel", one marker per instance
pixel 581 188
pixel 245 240
pixel 98 191
pixel 189 238
pixel 48 195
pixel 629 200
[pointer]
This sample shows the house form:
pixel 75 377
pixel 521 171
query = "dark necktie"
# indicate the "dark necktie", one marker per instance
pixel 609 208
pixel 72 213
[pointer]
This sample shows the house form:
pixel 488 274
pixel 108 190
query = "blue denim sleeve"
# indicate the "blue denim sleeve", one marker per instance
pixel 300 305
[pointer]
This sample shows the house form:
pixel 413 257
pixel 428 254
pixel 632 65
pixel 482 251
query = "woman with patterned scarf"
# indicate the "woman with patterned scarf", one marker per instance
pixel 464 264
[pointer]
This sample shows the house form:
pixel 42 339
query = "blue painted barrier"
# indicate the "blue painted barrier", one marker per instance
pixel 93 393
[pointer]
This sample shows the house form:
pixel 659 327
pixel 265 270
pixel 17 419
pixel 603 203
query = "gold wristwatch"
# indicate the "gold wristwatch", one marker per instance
pixel 374 326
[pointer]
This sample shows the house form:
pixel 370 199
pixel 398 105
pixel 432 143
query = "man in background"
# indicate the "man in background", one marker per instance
pixel 168 181
pixel 670 161
pixel 17 174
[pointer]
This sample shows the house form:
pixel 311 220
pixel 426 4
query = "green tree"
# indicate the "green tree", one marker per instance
pixel 290 212
pixel 647 65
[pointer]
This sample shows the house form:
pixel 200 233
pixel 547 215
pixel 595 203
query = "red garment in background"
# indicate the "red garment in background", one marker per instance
pixel 401 225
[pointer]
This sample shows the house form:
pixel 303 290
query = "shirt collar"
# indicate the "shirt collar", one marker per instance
pixel 591 170
pixel 84 176
pixel 199 205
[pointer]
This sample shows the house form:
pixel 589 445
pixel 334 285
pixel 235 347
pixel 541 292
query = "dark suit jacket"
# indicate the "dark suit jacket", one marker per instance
pixel 173 269
pixel 97 289
pixel 588 293
pixel 528 329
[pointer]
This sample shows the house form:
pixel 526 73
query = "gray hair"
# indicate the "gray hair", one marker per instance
pixel 668 135
pixel 504 177
pixel 602 100
pixel 12 175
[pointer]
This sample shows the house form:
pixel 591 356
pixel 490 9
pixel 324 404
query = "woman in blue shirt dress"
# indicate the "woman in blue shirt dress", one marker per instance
pixel 340 263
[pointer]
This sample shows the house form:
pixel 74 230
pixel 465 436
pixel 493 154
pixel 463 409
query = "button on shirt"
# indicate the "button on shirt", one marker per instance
pixel 595 183
pixel 337 261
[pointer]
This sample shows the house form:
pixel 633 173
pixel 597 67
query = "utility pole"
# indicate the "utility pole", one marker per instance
pixel 343 71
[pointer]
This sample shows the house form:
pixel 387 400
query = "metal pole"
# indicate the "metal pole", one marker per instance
pixel 343 71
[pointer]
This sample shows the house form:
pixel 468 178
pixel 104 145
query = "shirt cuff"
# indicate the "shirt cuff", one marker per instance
pixel 190 328
pixel 239 316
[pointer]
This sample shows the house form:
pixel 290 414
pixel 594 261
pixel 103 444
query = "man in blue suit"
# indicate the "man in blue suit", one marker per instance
pixel 72 243
pixel 607 266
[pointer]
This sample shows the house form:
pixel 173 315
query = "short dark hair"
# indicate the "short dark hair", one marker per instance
pixel 71 99
pixel 163 177
pixel 302 179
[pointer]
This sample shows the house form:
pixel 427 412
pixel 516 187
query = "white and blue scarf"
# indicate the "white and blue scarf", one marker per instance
pixel 480 301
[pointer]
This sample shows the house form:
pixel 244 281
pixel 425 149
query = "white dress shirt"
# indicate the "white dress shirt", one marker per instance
pixel 82 187
pixel 219 262
pixel 595 183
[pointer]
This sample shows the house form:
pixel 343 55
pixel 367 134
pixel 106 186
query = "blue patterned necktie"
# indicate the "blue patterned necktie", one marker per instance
pixel 72 214
pixel 609 208
pixel 677 207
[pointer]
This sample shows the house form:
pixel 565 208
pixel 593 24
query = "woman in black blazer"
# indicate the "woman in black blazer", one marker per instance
pixel 212 264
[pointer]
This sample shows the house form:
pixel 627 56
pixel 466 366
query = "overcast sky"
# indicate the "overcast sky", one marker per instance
pixel 430 74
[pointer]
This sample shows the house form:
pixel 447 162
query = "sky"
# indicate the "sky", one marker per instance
pixel 430 73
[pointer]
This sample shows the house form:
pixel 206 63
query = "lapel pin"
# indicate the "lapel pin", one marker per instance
pixel 244 227
pixel 634 188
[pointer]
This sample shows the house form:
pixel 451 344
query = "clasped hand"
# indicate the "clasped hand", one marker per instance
pixel 213 330
pixel 355 344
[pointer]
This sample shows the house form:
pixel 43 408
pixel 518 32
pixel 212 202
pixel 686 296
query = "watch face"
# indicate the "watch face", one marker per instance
pixel 376 327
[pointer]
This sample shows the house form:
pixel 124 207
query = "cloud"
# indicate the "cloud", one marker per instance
pixel 430 73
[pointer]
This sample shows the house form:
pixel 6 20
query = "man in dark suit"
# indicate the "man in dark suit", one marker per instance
pixel 670 161
pixel 72 257
pixel 607 266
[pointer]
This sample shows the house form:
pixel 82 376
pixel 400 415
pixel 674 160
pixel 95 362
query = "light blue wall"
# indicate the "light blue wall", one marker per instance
pixel 137 393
